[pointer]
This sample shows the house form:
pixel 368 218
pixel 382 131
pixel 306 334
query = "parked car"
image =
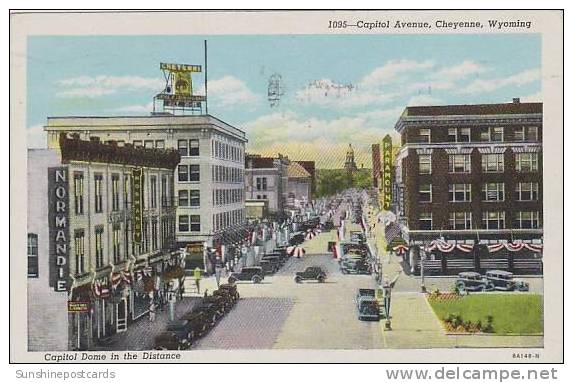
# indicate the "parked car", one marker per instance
pixel 297 239
pixel 170 341
pixel 503 280
pixel 200 323
pixel 254 274
pixel 311 273
pixel 358 237
pixel 367 305
pixel 355 266
pixel 232 289
pixel 472 281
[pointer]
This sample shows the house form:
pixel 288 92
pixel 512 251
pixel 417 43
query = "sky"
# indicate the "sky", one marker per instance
pixel 337 89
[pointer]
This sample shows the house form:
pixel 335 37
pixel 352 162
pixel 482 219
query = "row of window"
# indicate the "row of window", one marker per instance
pixel 486 134
pixel 490 163
pixel 491 220
pixel 150 242
pixel 150 195
pixel 493 191
pixel 189 223
pixel 226 174
pixel 228 218
pixel 227 196
pixel 225 151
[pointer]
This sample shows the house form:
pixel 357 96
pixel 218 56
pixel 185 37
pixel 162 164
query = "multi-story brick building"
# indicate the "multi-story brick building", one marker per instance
pixel 376 165
pixel 471 177
pixel 100 238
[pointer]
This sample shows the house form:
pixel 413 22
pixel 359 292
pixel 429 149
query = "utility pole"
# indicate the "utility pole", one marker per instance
pixel 206 103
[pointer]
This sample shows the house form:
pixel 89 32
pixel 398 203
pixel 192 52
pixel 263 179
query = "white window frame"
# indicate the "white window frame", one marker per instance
pixel 486 189
pixel 486 162
pixel 467 163
pixel 467 218
pixel 466 190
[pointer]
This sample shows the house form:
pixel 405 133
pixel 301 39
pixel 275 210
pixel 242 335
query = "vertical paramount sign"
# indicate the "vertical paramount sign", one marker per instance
pixel 58 215
pixel 137 209
pixel 387 170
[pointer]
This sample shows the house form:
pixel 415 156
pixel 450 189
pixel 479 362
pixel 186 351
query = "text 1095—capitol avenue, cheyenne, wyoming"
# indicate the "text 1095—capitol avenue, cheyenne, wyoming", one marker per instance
pixel 441 24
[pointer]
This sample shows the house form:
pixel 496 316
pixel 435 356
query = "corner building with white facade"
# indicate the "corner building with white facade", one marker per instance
pixel 209 180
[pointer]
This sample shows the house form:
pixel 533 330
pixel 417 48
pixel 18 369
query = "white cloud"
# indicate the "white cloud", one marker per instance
pixel 322 140
pixel 36 137
pixel 229 91
pixel 536 97
pixel 391 71
pixel 136 108
pixel 462 70
pixel 97 86
pixel 483 86
pixel 423 100
pixel 326 92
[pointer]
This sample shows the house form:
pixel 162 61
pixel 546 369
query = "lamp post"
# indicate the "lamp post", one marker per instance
pixel 422 259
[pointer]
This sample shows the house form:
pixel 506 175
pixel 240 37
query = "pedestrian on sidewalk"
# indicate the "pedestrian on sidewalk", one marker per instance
pixel 197 277
pixel 152 312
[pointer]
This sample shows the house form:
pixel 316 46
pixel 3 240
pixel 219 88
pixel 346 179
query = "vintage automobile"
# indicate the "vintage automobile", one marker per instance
pixel 214 306
pixel 358 237
pixel 227 296
pixel 170 341
pixel 367 305
pixel 200 323
pixel 254 274
pixel 177 336
pixel 232 289
pixel 296 239
pixel 355 266
pixel 472 281
pixel 311 273
pixel 268 266
pixel 503 280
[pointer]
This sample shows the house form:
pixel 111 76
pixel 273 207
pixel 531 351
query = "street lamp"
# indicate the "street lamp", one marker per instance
pixel 422 259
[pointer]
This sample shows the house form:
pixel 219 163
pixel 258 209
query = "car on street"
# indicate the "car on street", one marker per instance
pixel 296 239
pixel 504 281
pixel 253 274
pixel 311 273
pixel 200 323
pixel 367 305
pixel 473 281
pixel 355 266
pixel 170 341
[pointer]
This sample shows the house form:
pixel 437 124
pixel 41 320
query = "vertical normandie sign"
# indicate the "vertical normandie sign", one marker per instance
pixel 137 209
pixel 58 216
pixel 387 169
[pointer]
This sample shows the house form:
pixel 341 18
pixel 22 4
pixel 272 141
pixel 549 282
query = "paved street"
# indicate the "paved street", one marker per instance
pixel 281 314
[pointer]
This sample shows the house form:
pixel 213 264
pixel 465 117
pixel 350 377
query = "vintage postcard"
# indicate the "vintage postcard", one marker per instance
pixel 286 186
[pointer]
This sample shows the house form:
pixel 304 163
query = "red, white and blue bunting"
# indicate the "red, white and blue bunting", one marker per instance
pixel 445 247
pixel 118 278
pixel 400 249
pixel 513 247
pixel 336 252
pixel 295 251
pixel 310 234
pixel 99 290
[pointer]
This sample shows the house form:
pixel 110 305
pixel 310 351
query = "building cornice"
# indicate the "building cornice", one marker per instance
pixel 467 120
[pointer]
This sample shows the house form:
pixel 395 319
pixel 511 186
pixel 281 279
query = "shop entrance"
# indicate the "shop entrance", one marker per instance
pixel 121 316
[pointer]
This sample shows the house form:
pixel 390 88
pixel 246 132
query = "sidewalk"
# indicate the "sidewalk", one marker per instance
pixel 141 333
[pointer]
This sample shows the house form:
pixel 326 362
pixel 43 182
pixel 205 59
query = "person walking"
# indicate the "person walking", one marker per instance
pixel 152 312
pixel 197 277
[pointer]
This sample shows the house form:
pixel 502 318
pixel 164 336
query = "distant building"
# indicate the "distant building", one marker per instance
pixel 266 178
pixel 299 185
pixel 349 163
pixel 376 165
pixel 310 167
pixel 472 175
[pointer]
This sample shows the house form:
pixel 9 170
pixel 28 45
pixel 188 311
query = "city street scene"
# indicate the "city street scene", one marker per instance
pixel 362 192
